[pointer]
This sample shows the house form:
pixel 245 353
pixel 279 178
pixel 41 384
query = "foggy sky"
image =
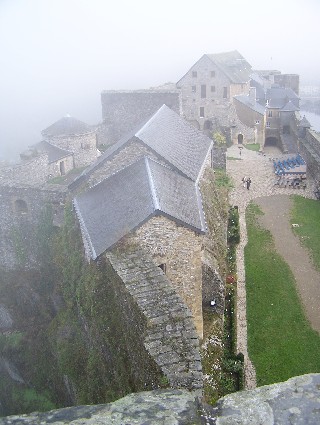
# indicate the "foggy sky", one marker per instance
pixel 56 56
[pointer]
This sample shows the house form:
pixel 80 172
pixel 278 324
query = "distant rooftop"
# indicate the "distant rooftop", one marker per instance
pixel 66 125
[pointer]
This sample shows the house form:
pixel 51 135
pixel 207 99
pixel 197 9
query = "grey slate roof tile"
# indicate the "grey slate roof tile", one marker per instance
pixel 128 198
pixel 66 125
pixel 233 64
pixel 54 153
pixel 171 137
pixel 257 107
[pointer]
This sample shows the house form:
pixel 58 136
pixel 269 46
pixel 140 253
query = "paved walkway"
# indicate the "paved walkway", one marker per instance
pixel 260 169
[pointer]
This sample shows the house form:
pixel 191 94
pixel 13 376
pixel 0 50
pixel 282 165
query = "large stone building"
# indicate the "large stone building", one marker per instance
pixel 144 190
pixel 207 89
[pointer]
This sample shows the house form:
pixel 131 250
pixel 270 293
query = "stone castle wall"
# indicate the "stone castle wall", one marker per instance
pixel 83 146
pixel 310 151
pixel 29 172
pixel 20 211
pixel 178 250
pixel 157 324
pixel 123 111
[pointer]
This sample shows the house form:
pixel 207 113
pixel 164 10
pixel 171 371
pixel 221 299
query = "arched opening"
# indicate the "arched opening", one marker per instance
pixel 21 206
pixel 271 141
pixel 240 139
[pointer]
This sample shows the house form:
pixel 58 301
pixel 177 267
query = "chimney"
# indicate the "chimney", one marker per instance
pixel 252 95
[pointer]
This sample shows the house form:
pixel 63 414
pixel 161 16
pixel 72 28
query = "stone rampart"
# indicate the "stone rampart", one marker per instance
pixel 30 172
pixel 166 332
pixel 293 402
pixel 122 111
pixel 20 211
pixel 310 151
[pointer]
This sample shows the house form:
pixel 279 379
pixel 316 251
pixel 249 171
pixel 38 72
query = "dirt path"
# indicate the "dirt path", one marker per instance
pixel 276 211
pixel 275 203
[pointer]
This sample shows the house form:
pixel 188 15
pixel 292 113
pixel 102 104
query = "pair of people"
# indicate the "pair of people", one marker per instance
pixel 246 182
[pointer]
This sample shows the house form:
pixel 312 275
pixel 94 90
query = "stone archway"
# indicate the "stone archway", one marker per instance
pixel 240 138
pixel 271 141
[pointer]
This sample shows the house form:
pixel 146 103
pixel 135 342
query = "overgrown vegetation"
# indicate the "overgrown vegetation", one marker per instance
pixel 280 340
pixel 253 147
pixel 222 179
pixel 223 368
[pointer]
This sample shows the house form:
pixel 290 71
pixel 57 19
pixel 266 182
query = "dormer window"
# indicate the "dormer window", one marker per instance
pixel 194 74
pixel 194 89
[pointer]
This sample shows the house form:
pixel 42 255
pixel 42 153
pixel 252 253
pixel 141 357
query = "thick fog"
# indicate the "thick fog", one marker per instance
pixel 56 56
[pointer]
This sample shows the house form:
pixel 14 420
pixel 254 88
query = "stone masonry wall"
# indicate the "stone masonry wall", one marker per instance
pixel 83 146
pixel 122 111
pixel 166 333
pixel 179 250
pixel 20 209
pixel 32 172
pixel 55 168
pixel 310 151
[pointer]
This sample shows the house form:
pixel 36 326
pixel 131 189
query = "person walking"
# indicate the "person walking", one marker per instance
pixel 244 181
pixel 248 181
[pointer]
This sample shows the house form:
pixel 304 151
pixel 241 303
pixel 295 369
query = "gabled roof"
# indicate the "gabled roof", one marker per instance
pixel 245 100
pixel 278 97
pixel 54 153
pixel 233 64
pixel 289 107
pixel 124 201
pixel 65 126
pixel 168 135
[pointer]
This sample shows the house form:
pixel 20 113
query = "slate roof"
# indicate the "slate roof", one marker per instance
pixel 128 198
pixel 278 97
pixel 167 134
pixel 234 65
pixel 65 126
pixel 289 107
pixel 247 102
pixel 54 153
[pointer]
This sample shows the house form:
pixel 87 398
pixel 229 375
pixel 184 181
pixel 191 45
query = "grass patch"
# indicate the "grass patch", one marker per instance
pixel 221 178
pixel 280 340
pixel 306 213
pixel 253 147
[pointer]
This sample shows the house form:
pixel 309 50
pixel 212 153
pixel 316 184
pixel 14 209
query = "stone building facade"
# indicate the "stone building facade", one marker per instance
pixel 177 250
pixel 73 136
pixel 208 87
pixel 157 170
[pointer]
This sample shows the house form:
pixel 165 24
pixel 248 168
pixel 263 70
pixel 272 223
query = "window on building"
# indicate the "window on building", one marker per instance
pixel 213 89
pixel 257 121
pixel 194 74
pixel 194 89
pixel 225 92
pixel 269 113
pixel 268 124
pixel 203 91
pixel 201 111
pixel 213 74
